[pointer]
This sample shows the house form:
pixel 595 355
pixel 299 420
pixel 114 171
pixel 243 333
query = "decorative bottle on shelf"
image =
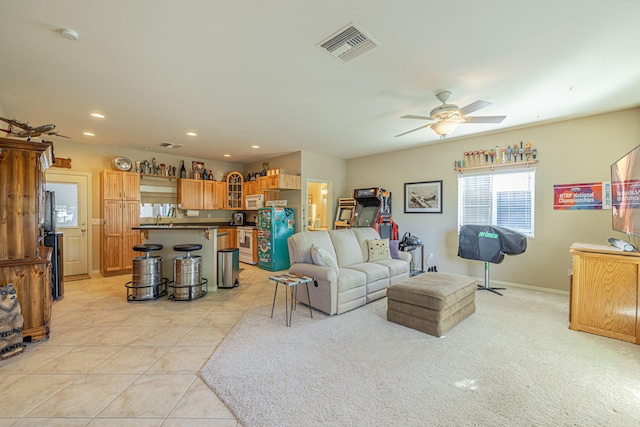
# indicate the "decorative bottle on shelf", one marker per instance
pixel 183 171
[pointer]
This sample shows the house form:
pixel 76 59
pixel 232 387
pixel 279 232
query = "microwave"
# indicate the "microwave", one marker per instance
pixel 253 202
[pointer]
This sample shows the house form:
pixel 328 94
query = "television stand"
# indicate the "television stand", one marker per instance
pixel 604 292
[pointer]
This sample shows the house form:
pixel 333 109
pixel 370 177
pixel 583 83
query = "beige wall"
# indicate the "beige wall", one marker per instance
pixel 318 167
pixel 573 151
pixel 96 158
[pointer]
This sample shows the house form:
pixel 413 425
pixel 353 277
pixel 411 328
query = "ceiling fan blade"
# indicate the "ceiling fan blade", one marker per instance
pixel 413 130
pixel 474 106
pixel 484 119
pixel 416 117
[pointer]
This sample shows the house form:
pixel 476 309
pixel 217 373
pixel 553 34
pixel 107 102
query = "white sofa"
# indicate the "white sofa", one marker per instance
pixel 349 279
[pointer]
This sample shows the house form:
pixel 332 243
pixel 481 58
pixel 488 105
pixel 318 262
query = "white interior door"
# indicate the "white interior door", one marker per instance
pixel 72 214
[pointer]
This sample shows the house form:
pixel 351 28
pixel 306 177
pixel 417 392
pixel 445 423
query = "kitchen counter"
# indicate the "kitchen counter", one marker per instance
pixel 178 234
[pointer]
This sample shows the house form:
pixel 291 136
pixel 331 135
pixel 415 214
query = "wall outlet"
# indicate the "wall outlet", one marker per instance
pixel 569 271
pixel 430 257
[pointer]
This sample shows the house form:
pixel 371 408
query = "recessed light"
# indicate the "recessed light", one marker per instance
pixel 89 133
pixel 97 115
pixel 255 146
pixel 192 134
pixel 227 155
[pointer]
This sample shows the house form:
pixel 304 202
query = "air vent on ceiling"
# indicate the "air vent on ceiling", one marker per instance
pixel 171 145
pixel 348 43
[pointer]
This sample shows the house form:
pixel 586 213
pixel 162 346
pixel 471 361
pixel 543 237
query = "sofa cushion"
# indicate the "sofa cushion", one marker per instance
pixel 395 266
pixel 322 257
pixel 378 249
pixel 362 235
pixel 372 270
pixel 350 279
pixel 347 248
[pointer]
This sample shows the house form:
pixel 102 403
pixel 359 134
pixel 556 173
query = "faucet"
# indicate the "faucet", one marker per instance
pixel 158 219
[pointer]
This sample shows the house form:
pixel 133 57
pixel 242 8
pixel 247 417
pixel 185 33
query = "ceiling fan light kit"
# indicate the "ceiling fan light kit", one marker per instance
pixel 448 117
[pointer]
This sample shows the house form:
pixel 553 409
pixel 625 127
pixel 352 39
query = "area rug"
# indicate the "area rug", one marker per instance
pixel 513 362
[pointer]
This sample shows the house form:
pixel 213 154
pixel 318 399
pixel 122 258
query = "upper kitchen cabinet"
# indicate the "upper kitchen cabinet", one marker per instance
pixel 120 185
pixel 190 193
pixel 250 187
pixel 279 182
pixel 214 195
pixel 201 194
pixel 120 213
pixel 235 193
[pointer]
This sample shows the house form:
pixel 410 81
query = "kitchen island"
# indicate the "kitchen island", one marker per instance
pixel 179 234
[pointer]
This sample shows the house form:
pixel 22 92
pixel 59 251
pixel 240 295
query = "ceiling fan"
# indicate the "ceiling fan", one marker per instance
pixel 449 116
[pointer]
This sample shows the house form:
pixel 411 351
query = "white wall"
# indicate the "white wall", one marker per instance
pixel 573 151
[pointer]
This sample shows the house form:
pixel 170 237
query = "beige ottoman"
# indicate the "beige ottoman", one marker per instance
pixel 432 302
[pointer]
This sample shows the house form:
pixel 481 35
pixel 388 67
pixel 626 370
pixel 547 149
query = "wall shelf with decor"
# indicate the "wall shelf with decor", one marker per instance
pixel 512 165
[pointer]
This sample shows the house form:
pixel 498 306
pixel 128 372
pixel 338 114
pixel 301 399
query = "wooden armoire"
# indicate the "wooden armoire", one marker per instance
pixel 23 261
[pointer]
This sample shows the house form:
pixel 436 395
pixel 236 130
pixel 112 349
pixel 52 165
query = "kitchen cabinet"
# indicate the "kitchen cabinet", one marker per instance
pixel 120 213
pixel 250 187
pixel 214 195
pixel 604 296
pixel 201 194
pixel 235 194
pixel 279 182
pixel 229 240
pixel 190 193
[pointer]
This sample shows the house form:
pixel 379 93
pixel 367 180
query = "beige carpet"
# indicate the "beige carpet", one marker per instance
pixel 514 362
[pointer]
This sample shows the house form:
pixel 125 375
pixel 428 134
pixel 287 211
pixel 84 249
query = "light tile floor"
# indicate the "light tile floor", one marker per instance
pixel 108 362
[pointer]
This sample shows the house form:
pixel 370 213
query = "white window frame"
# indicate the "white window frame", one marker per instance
pixel 479 195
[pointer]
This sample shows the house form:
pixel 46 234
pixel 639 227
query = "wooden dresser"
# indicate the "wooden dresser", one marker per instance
pixel 605 292
pixel 22 261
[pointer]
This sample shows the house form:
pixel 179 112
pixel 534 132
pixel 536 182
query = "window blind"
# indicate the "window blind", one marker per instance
pixel 503 199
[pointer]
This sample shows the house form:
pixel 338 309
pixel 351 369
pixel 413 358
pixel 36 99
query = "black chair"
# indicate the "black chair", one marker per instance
pixel 489 244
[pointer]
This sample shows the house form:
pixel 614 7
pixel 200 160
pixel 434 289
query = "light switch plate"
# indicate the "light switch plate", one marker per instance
pixel 96 221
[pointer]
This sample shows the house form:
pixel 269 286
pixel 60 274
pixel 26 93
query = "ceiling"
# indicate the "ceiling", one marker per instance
pixel 240 73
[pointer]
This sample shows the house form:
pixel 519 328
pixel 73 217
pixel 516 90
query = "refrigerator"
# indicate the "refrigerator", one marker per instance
pixel 275 225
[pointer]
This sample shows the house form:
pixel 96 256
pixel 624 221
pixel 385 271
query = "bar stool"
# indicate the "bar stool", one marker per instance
pixel 146 283
pixel 187 281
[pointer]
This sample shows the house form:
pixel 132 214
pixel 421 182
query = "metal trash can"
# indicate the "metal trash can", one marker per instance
pixel 228 267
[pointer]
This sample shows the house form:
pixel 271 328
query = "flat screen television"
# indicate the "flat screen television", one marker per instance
pixel 625 193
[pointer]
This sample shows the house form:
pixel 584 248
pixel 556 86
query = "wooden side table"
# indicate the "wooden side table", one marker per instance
pixel 291 280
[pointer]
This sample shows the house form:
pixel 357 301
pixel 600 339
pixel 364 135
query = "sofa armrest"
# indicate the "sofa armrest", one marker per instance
pixel 405 256
pixel 324 296
pixel 318 272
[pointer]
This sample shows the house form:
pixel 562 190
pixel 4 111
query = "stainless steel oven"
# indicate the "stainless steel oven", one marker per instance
pixel 246 244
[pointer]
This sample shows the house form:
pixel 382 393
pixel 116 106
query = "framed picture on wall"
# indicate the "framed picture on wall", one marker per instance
pixel 423 197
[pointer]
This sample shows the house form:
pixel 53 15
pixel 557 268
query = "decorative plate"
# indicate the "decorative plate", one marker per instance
pixel 218 176
pixel 121 164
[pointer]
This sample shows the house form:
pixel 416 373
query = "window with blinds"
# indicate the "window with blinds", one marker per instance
pixel 503 199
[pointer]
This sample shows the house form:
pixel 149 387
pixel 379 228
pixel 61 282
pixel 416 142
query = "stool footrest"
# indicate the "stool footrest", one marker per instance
pixel 146 292
pixel 188 292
